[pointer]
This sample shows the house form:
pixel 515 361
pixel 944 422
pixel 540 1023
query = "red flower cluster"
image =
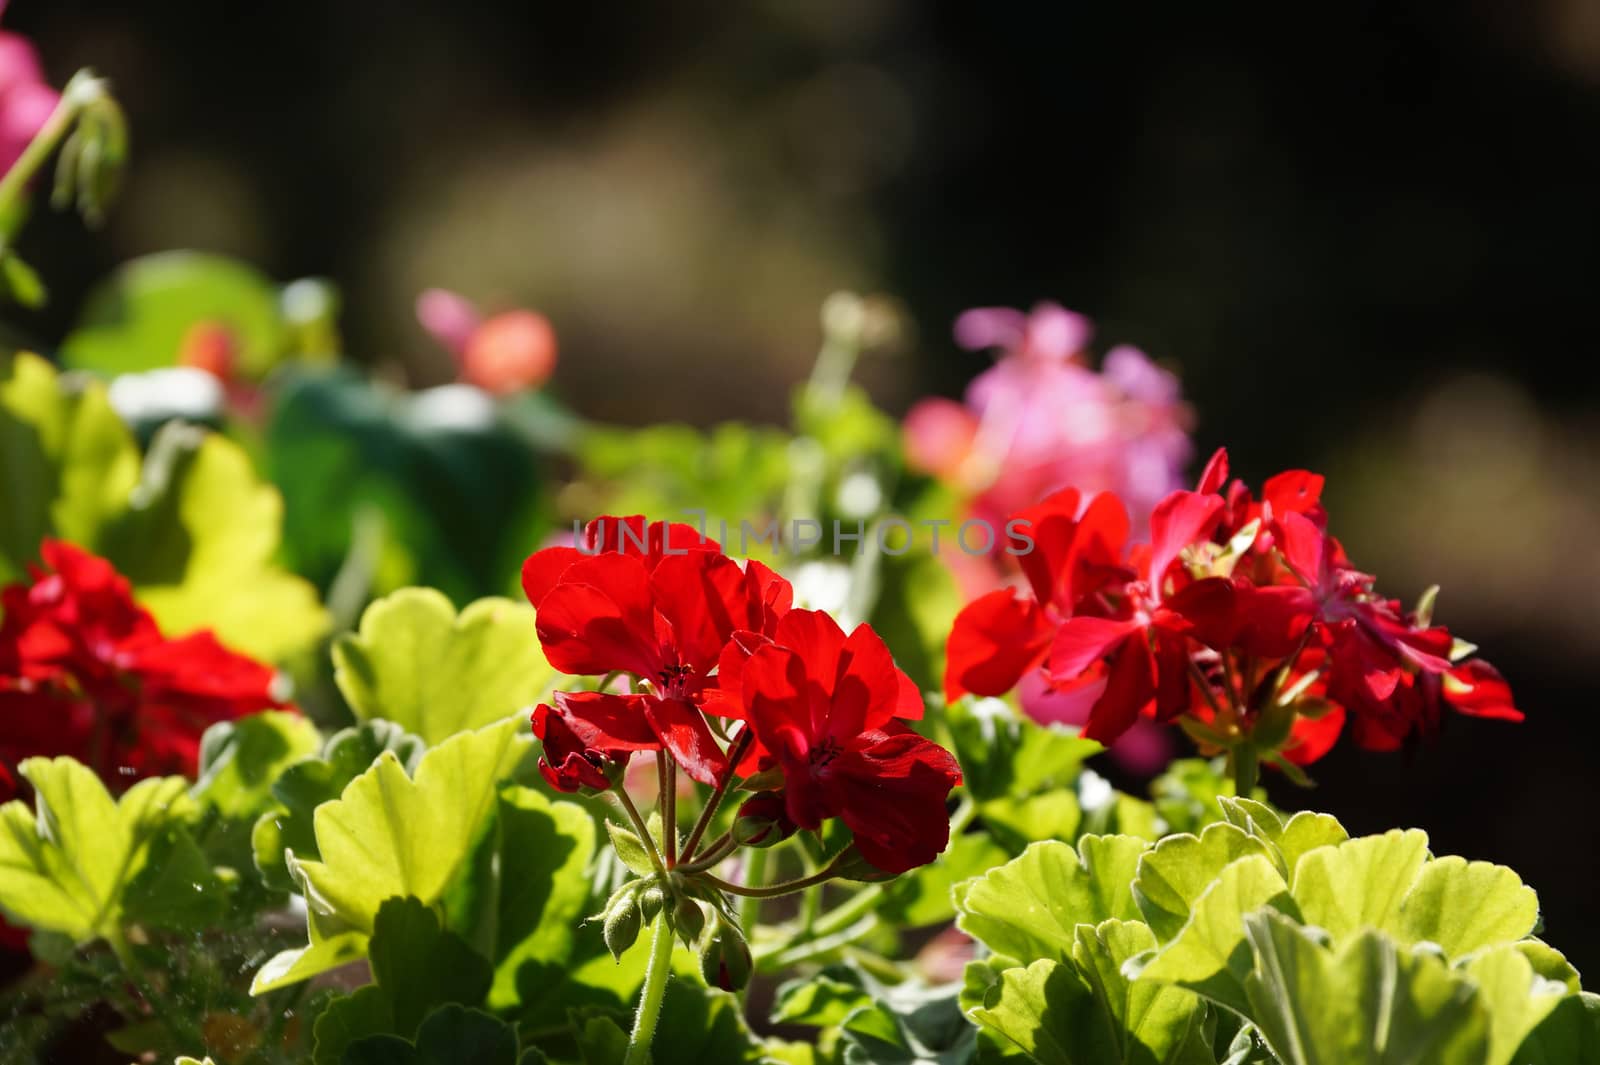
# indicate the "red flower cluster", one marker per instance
pixel 84 671
pixel 700 634
pixel 1242 617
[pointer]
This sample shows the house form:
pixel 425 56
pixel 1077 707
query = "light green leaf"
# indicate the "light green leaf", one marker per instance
pixel 1210 955
pixel 241 760
pixel 199 541
pixel 630 848
pixel 1305 832
pixel 389 835
pixel 1549 963
pixel 1004 755
pixel 67 462
pixel 1029 907
pixel 1015 823
pixel 1148 1022
pixel 1465 906
pixel 1179 869
pixel 1360 883
pixel 138 318
pixel 1516 999
pixel 819 1001
pixel 66 868
pixel 310 782
pixel 1254 817
pixel 544 850
pixel 1049 1013
pixel 1368 1003
pixel 418 663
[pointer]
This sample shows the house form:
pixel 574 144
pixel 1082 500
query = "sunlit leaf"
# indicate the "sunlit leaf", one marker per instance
pixel 66 866
pixel 434 672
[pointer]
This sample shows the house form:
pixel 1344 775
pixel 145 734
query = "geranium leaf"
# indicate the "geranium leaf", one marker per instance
pixel 1305 832
pixel 418 663
pixel 1465 906
pixel 1179 868
pixel 1571 1033
pixel 923 896
pixel 820 1001
pixel 310 782
pixel 67 462
pixel 1029 907
pixel 1516 999
pixel 138 318
pixel 1360 883
pixel 1210 955
pixel 543 854
pixel 1549 963
pixel 199 542
pixel 1049 1013
pixel 1015 823
pixel 241 760
pixel 66 866
pixel 389 834
pixel 450 1035
pixel 176 887
pixel 1004 755
pixel 1148 1021
pixel 1368 1001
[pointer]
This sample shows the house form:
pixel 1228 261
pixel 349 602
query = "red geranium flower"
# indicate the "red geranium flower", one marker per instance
pixel 824 707
pixel 1239 611
pixel 85 671
pixel 660 603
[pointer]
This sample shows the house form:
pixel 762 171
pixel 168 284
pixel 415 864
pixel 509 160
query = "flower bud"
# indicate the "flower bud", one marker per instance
pixel 763 821
pixel 688 919
pixel 623 918
pixel 651 899
pixel 725 959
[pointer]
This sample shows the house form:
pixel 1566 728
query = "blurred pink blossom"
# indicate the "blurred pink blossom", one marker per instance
pixel 1040 419
pixel 26 99
pixel 508 352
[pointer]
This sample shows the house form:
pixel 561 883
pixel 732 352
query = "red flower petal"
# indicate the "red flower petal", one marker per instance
pixel 995 640
pixel 1081 642
pixel 890 790
pixel 600 618
pixel 684 732
pixel 1130 687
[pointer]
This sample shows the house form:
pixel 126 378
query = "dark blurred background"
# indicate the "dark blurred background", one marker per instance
pixel 1367 235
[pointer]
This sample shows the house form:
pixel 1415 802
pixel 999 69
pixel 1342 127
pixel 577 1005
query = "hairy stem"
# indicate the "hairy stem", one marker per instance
pixel 655 987
pixel 741 744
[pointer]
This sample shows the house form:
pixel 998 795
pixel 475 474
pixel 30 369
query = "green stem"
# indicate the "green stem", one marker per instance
pixel 772 891
pixel 740 744
pixel 817 947
pixel 713 853
pixel 861 902
pixel 1246 764
pixel 667 774
pixel 755 871
pixel 655 987
pixel 640 827
pixel 13 185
